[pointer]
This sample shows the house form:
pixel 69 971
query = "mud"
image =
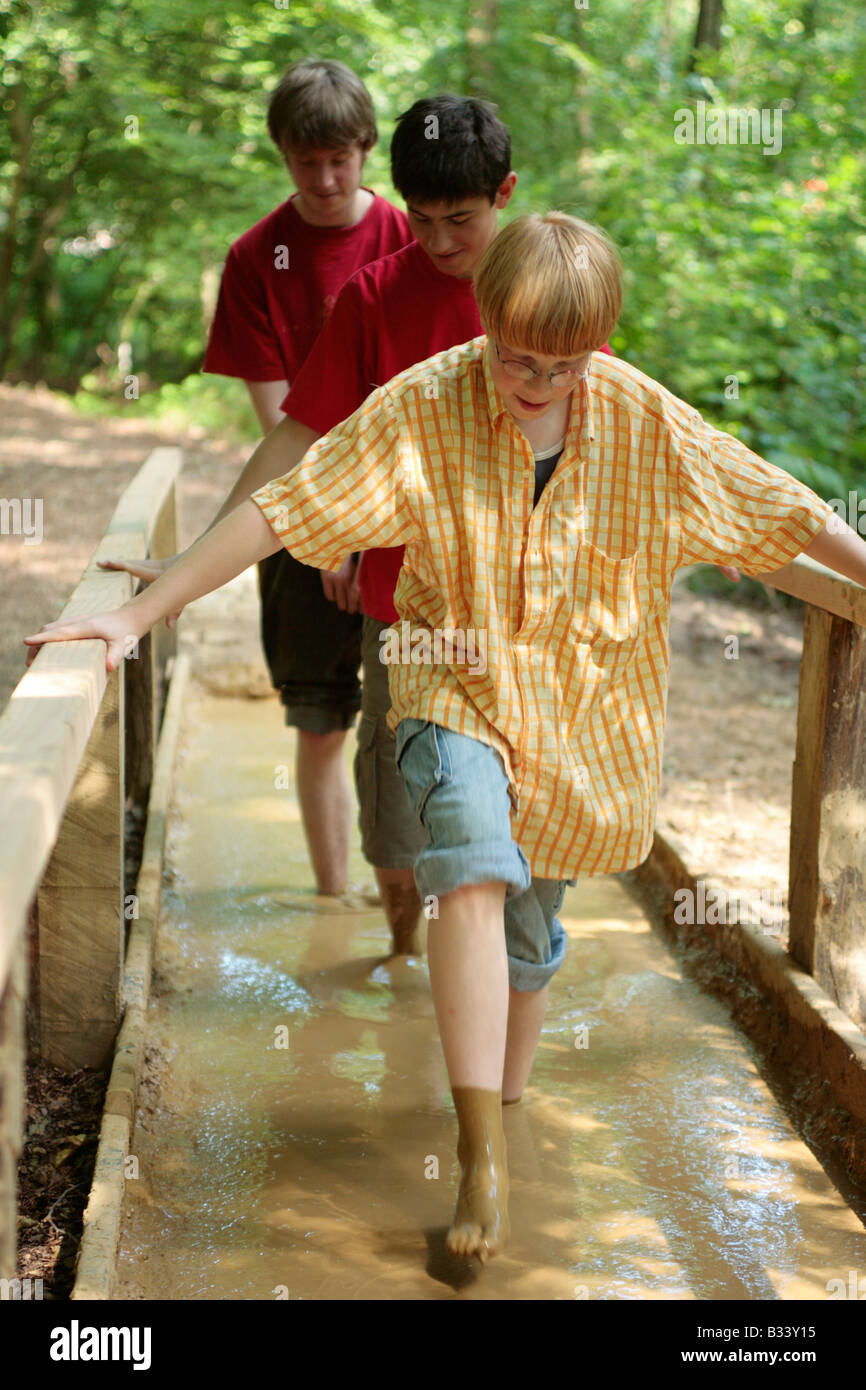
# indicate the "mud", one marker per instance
pixel 298 1139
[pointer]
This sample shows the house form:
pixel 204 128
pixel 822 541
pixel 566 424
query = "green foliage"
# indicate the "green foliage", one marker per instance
pixel 745 271
pixel 216 404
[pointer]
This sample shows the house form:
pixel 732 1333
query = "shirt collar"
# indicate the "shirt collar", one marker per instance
pixel 581 425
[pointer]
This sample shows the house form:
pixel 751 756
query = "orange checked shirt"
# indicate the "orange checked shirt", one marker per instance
pixel 572 598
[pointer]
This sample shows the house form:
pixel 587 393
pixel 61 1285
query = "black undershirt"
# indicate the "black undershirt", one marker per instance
pixel 543 472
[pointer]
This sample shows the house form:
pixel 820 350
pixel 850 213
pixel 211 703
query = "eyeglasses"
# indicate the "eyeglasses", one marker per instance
pixel 522 372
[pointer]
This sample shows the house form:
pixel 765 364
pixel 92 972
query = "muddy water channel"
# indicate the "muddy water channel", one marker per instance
pixel 296 1136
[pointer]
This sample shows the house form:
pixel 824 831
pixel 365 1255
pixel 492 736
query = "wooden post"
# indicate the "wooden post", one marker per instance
pixel 145 676
pixel 80 904
pixel 139 679
pixel 828 811
pixel 11 1104
pixel 163 542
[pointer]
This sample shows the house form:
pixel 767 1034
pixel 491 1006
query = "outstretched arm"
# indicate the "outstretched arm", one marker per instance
pixel 840 549
pixel 236 542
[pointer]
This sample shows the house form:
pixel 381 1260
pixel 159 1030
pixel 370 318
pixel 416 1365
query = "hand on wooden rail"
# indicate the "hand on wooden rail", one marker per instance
pixel 121 630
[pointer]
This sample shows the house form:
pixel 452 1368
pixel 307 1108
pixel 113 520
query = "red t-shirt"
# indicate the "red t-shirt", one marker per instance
pixel 390 315
pixel 280 281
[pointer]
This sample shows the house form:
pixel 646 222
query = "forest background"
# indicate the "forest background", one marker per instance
pixel 134 151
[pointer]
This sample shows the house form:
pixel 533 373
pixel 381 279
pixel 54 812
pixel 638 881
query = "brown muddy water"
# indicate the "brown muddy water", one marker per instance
pixel 296 1136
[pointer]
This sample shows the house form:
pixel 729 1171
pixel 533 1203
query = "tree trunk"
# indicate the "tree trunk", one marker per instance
pixel 708 32
pixel 480 41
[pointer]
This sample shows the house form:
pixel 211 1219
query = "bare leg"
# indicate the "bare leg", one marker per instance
pixel 525 1017
pixel 469 981
pixel 402 908
pixel 327 806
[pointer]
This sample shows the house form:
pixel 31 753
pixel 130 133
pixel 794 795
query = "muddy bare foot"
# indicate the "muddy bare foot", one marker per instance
pixel 480 1227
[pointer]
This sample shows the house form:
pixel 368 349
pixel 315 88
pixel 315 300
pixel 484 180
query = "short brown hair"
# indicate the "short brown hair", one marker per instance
pixel 550 284
pixel 319 104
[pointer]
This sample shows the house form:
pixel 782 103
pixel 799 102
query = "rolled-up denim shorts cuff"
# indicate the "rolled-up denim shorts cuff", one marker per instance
pixel 439 871
pixel 527 975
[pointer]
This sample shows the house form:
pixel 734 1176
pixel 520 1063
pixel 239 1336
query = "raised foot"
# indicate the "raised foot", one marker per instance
pixel 480 1227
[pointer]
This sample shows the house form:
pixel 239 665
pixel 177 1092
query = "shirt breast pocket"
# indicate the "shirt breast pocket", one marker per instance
pixel 613 596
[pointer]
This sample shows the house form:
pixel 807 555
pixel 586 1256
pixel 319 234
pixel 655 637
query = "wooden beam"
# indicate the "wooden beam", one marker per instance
pixel 827 871
pixel 80 905
pixel 822 587
pixel 46 725
pixel 147 676
pixel 163 543
pixel 12 1058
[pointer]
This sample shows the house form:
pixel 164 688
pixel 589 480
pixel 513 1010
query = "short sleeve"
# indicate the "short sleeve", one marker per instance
pixel 351 490
pixel 735 508
pixel 242 340
pixel 334 380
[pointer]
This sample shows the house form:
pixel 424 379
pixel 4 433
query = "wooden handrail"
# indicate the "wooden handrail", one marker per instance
pixel 805 579
pixel 52 711
pixel 64 769
pixel 826 874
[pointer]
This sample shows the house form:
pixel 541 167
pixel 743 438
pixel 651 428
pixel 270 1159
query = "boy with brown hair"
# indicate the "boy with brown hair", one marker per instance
pixel 280 281
pixel 546 494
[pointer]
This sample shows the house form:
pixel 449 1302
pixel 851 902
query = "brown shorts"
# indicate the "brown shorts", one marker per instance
pixel 392 836
pixel 312 648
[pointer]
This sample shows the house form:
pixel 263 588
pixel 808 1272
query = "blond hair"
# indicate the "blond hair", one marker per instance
pixel 550 284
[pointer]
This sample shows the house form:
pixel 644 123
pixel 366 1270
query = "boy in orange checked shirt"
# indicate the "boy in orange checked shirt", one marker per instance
pixel 546 494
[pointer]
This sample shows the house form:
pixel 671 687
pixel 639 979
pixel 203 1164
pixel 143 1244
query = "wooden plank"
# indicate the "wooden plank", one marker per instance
pixel 164 650
pixel 12 1058
pixel 822 587
pixel 95 1271
pixel 80 905
pixel 139 681
pixel 806 786
pixel 47 723
pixel 828 812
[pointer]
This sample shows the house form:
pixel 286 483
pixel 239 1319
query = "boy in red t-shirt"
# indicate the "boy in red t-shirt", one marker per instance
pixel 281 279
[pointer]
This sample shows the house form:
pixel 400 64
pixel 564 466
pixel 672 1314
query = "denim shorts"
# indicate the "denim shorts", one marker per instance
pixel 459 789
